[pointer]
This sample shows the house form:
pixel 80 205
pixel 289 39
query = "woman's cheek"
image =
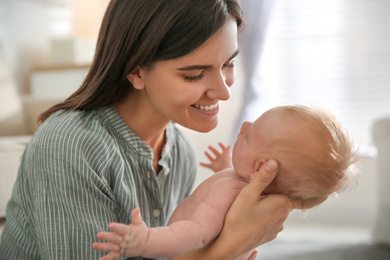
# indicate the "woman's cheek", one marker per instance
pixel 230 77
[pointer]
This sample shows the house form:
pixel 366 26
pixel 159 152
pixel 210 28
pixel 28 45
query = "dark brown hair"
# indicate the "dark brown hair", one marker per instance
pixel 138 33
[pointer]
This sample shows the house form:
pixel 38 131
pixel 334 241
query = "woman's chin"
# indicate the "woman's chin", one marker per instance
pixel 202 128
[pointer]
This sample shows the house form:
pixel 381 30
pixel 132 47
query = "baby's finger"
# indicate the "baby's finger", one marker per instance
pixel 207 165
pixel 111 256
pixel 119 228
pixel 110 237
pixel 136 217
pixel 211 158
pixel 223 147
pixel 215 151
pixel 107 247
pixel 253 255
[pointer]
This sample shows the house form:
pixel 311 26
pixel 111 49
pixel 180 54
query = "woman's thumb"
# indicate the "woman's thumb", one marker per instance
pixel 265 175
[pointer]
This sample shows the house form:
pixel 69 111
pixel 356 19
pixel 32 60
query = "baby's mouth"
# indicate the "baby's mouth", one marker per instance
pixel 206 108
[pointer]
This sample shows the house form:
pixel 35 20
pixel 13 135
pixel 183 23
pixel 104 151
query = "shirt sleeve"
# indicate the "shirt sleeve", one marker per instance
pixel 70 201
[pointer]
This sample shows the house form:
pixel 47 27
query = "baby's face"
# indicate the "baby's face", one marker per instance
pixel 255 137
pixel 252 137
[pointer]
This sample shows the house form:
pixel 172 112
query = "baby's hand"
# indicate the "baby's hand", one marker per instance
pixel 128 240
pixel 221 160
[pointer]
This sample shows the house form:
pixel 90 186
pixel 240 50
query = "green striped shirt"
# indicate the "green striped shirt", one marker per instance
pixel 83 170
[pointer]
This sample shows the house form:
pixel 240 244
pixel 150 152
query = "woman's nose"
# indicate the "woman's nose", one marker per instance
pixel 220 88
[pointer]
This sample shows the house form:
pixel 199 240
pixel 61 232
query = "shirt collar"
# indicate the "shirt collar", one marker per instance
pixel 132 140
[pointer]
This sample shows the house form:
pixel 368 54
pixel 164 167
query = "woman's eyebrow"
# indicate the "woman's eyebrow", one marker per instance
pixel 195 67
pixel 202 67
pixel 234 54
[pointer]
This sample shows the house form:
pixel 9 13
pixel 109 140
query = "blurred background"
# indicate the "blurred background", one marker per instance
pixel 334 54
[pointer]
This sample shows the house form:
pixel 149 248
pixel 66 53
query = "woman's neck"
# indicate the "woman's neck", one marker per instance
pixel 145 122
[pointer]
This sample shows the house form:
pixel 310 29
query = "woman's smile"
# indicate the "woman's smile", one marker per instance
pixel 208 108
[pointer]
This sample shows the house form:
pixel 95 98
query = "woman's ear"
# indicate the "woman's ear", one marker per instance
pixel 135 78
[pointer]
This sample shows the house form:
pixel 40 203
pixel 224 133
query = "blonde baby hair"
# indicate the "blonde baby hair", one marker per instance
pixel 308 175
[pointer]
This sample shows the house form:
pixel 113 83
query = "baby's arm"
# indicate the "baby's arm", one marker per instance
pixel 169 241
pixel 129 240
pixel 184 236
pixel 179 237
pixel 221 160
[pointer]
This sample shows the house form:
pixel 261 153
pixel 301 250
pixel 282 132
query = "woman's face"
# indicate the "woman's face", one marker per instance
pixel 187 90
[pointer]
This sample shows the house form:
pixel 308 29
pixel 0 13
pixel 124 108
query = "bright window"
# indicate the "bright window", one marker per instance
pixel 333 53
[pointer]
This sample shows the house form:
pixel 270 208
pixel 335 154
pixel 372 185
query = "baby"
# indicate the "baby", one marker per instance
pixel 316 158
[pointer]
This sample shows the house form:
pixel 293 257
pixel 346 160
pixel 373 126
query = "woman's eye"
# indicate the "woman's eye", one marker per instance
pixel 230 64
pixel 193 78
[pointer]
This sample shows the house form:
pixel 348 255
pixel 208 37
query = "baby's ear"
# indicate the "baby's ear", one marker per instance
pixel 258 163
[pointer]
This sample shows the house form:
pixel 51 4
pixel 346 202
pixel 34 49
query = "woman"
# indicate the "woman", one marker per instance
pixel 112 146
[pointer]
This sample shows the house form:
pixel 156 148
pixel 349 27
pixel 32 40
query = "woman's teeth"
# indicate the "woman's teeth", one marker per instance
pixel 206 108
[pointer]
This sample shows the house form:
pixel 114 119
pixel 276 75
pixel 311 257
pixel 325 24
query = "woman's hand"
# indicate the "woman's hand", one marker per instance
pixel 220 160
pixel 252 220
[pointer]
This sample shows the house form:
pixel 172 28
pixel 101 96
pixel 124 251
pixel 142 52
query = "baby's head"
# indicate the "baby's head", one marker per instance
pixel 316 155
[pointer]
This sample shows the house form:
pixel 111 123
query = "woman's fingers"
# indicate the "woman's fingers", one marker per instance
pixel 254 218
pixel 262 179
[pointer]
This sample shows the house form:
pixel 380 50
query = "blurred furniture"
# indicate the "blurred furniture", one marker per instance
pixel 56 81
pixel 18 113
pixel 70 59
pixel 18 121
pixel 11 150
pixel 381 138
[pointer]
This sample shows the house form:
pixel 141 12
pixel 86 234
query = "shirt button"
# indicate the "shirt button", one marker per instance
pixel 166 171
pixel 166 149
pixel 156 213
